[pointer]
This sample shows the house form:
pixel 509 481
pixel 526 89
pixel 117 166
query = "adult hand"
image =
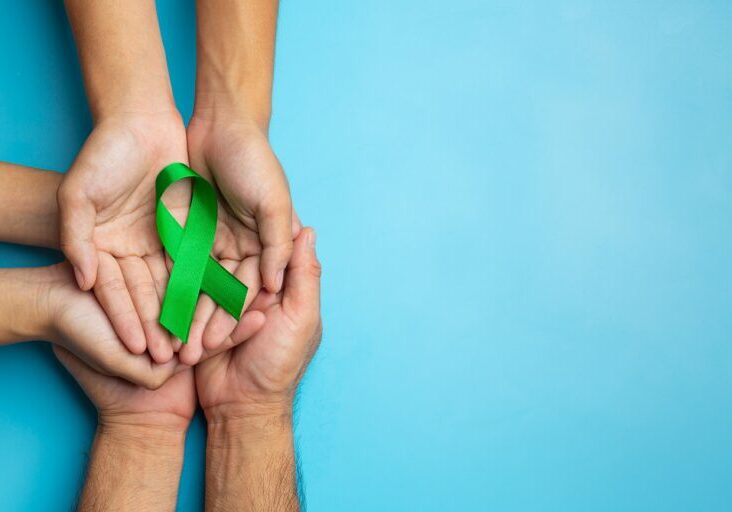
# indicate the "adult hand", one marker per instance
pixel 261 375
pixel 227 135
pixel 124 405
pixel 237 153
pixel 74 320
pixel 107 207
pixel 247 394
pixel 137 455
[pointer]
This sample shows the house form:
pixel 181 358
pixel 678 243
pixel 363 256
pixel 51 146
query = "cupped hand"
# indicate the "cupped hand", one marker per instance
pixel 108 233
pixel 263 372
pixel 77 322
pixel 107 230
pixel 238 155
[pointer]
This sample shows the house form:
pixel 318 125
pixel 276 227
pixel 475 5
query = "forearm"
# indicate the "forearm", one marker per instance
pixel 250 465
pixel 133 468
pixel 122 56
pixel 236 42
pixel 24 308
pixel 29 213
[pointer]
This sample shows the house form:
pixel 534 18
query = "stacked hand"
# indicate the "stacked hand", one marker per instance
pixel 108 233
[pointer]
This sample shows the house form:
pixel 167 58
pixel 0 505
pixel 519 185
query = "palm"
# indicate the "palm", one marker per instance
pixel 270 363
pixel 116 396
pixel 173 404
pixel 116 172
pixel 239 155
pixel 251 180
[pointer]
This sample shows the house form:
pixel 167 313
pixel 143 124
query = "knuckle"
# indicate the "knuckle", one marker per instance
pixel 143 289
pixel 315 269
pixel 113 284
pixel 277 206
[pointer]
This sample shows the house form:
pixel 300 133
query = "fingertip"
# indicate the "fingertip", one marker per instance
pixel 250 323
pixel 135 343
pixel 274 260
pixel 162 353
pixel 190 354
pixel 272 280
pixel 85 271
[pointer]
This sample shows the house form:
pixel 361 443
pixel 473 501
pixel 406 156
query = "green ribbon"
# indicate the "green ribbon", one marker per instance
pixel 194 270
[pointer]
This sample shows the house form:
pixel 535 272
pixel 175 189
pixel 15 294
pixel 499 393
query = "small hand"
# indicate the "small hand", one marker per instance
pixel 77 322
pixel 239 157
pixel 261 374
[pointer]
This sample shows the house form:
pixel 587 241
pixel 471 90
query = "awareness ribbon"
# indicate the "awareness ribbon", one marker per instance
pixel 194 270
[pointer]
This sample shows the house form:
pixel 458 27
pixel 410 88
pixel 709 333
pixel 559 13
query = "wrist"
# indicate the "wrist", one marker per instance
pixel 143 434
pixel 29 309
pixel 231 104
pixel 132 103
pixel 150 122
pixel 228 424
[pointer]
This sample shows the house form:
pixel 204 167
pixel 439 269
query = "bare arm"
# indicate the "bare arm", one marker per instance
pixel 228 133
pixel 122 56
pixel 236 42
pixel 133 467
pixel 29 214
pixel 250 464
pixel 247 395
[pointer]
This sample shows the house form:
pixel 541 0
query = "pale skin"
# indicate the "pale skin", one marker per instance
pixel 44 303
pixel 137 131
pixel 246 394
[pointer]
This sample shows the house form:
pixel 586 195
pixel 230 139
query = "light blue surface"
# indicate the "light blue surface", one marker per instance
pixel 524 219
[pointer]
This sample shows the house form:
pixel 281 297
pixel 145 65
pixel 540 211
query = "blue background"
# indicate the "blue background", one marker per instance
pixel 524 218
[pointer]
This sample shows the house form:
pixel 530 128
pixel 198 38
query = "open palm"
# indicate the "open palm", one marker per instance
pixel 107 208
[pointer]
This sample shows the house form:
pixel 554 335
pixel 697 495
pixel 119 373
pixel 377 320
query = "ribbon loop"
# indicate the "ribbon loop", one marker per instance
pixel 194 270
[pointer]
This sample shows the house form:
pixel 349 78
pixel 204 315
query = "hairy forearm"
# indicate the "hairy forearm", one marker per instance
pixel 122 56
pixel 29 213
pixel 236 42
pixel 133 468
pixel 250 465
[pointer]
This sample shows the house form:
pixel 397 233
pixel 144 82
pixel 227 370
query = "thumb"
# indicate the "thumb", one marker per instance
pixel 78 218
pixel 302 287
pixel 275 225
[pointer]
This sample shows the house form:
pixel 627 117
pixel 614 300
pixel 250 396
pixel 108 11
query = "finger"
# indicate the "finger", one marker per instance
pixel 190 352
pixel 204 311
pixel 222 324
pixel 265 300
pixel 302 289
pixel 144 296
pixel 247 327
pixel 274 223
pixel 160 274
pixel 250 323
pixel 296 224
pixel 141 370
pixel 112 294
pixel 77 218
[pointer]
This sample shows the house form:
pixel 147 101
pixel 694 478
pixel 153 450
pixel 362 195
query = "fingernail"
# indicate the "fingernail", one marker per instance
pixel 280 278
pixel 311 238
